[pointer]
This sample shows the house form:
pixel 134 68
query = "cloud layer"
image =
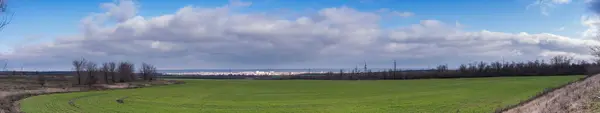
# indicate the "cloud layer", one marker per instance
pixel 337 37
pixel 546 5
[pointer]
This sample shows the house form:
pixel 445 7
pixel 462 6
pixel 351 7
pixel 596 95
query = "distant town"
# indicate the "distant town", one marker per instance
pixel 241 73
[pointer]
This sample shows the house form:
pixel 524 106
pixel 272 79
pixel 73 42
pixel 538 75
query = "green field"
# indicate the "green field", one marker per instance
pixel 305 96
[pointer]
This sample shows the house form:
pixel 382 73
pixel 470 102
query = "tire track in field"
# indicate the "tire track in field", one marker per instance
pixel 72 101
pixel 122 100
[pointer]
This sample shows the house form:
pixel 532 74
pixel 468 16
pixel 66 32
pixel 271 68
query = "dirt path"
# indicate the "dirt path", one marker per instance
pixel 573 98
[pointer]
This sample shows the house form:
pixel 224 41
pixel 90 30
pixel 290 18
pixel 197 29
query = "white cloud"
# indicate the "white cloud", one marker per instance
pixel 383 10
pixel 403 14
pixel 593 25
pixel 592 22
pixel 332 37
pixel 439 39
pixel 122 10
pixel 561 1
pixel 239 3
pixel 386 11
pixel 546 5
pixel 459 25
pixel 575 56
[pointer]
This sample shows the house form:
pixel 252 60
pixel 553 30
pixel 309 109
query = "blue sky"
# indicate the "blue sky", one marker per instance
pixel 48 19
pixel 39 21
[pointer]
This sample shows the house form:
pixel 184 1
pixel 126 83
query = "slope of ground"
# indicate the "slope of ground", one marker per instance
pixel 303 96
pixel 578 97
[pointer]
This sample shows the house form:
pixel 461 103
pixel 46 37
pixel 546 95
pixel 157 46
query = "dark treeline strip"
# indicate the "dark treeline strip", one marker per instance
pixel 556 66
pixel 35 72
pixel 89 73
pixel 261 77
pixel 559 65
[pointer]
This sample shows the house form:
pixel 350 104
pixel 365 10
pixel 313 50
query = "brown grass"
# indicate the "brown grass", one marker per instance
pixel 575 97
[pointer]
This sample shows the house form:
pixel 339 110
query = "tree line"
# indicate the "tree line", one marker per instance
pixel 89 73
pixel 555 66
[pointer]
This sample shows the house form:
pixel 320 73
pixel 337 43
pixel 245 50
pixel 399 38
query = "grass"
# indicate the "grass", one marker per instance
pixel 305 96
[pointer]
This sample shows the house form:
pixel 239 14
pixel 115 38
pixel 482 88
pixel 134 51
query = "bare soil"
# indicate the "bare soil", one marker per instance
pixel 577 97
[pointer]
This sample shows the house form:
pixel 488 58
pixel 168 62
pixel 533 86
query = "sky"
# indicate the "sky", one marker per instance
pixel 194 34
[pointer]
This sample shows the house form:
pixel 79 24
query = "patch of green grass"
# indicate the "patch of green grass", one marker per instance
pixel 305 96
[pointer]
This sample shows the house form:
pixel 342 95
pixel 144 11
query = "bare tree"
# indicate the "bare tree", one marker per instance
pixel 595 51
pixel 144 71
pixel 41 79
pixel 106 70
pixel 148 71
pixel 112 67
pixel 561 60
pixel 79 66
pixel 442 68
pixel 394 71
pixel 125 71
pixel 5 69
pixel 5 66
pixel 131 73
pixel 91 69
pixel 6 16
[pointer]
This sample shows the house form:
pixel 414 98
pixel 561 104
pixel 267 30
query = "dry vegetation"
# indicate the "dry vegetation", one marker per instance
pixel 15 88
pixel 87 76
pixel 576 97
